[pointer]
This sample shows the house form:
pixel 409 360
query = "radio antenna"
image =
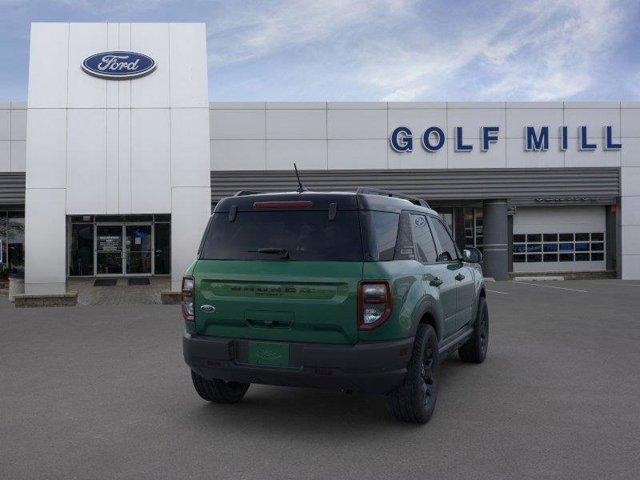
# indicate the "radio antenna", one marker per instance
pixel 301 188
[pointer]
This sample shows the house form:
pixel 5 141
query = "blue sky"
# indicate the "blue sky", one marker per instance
pixel 363 50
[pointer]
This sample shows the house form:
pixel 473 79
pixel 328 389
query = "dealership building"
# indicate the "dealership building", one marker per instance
pixel 113 164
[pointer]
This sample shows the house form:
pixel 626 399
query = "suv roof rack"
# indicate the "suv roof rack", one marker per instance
pixel 386 193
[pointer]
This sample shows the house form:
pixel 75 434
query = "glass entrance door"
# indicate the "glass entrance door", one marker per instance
pixel 139 250
pixel 109 249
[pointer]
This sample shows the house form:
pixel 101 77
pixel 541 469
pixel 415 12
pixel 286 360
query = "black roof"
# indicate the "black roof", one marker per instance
pixel 362 199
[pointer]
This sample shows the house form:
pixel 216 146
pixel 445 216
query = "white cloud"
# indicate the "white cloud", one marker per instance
pixel 546 51
pixel 261 29
pixel 407 50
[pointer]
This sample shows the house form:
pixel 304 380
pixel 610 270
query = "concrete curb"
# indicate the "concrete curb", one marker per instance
pixel 69 299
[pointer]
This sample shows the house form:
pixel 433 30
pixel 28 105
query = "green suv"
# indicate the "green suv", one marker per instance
pixel 359 291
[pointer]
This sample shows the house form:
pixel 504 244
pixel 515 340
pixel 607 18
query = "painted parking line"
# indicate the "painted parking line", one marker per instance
pixel 496 291
pixel 552 286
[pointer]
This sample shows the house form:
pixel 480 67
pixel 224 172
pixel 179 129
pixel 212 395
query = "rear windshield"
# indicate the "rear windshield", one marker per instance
pixel 295 235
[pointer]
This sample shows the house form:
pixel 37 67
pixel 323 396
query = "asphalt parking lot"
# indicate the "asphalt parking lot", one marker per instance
pixel 102 392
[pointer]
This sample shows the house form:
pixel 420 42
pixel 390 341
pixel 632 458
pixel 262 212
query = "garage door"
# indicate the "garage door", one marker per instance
pixel 559 239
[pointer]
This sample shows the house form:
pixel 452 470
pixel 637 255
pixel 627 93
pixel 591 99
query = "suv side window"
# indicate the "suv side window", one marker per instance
pixel 425 246
pixel 447 251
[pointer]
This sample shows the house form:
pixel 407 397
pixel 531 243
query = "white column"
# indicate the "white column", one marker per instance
pixel 191 207
pixel 630 191
pixel 630 223
pixel 45 241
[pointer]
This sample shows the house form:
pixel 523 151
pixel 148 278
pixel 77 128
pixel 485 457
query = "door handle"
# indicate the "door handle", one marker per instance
pixel 435 282
pixel 460 277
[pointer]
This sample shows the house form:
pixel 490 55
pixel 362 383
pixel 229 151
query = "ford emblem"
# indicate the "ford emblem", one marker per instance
pixel 118 65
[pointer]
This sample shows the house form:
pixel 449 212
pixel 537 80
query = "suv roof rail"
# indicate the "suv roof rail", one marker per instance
pixel 386 193
pixel 242 193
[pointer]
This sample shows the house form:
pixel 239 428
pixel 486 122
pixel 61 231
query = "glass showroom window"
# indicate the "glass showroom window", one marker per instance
pixel 558 247
pixel 12 239
pixel 4 266
pixel 473 227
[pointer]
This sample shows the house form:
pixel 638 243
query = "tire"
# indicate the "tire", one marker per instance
pixel 475 349
pixel 219 391
pixel 415 400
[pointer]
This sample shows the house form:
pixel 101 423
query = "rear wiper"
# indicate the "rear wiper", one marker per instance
pixel 284 254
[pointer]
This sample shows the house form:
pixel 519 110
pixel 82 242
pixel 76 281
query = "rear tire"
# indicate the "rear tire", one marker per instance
pixel 219 391
pixel 475 349
pixel 415 400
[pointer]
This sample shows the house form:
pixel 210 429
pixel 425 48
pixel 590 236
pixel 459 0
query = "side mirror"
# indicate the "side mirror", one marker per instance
pixel 471 255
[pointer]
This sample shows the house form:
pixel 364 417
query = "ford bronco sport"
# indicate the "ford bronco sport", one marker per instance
pixel 359 291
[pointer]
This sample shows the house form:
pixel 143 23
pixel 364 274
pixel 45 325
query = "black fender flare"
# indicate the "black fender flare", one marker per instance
pixel 428 306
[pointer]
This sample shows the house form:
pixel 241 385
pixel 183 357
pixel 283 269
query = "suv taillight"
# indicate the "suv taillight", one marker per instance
pixel 188 294
pixel 374 304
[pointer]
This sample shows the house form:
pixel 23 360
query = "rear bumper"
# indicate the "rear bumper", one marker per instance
pixel 373 367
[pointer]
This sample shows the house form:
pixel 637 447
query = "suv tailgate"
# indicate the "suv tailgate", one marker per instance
pixel 278 300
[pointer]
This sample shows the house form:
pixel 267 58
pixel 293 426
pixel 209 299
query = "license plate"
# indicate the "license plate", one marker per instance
pixel 273 354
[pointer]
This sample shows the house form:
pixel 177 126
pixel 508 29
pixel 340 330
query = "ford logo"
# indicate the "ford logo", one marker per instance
pixel 118 65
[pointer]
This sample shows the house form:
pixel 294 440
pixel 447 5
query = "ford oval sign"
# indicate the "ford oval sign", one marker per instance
pixel 118 65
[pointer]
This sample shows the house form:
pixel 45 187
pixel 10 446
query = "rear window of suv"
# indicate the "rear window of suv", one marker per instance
pixel 305 235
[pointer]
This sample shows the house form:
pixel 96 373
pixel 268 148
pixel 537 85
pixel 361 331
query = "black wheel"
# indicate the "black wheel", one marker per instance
pixel 475 349
pixel 219 391
pixel 415 400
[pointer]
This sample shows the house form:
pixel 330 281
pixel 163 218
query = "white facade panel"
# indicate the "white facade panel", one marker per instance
pixel 630 121
pixel 631 239
pixel 630 211
pixel 357 154
pixel 238 155
pixel 153 90
pixel 86 161
pixel 356 124
pixel 598 158
pixel 630 153
pixel 630 182
pixel 307 154
pixel 592 118
pixel 150 160
pixel 124 86
pixel 190 164
pixel 417 120
pixel 124 161
pixel 471 119
pixel 85 91
pixel 47 148
pixel 236 124
pixel 188 54
pixel 5 124
pixel 18 124
pixel 494 157
pixel 48 62
pixel 18 156
pixel 45 241
pixel 630 267
pixel 5 156
pixel 517 157
pixel 296 124
pixel 418 158
pixel 113 43
pixel 111 161
pixel 519 118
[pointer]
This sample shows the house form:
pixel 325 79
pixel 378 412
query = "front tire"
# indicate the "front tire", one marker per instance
pixel 475 349
pixel 219 391
pixel 415 400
